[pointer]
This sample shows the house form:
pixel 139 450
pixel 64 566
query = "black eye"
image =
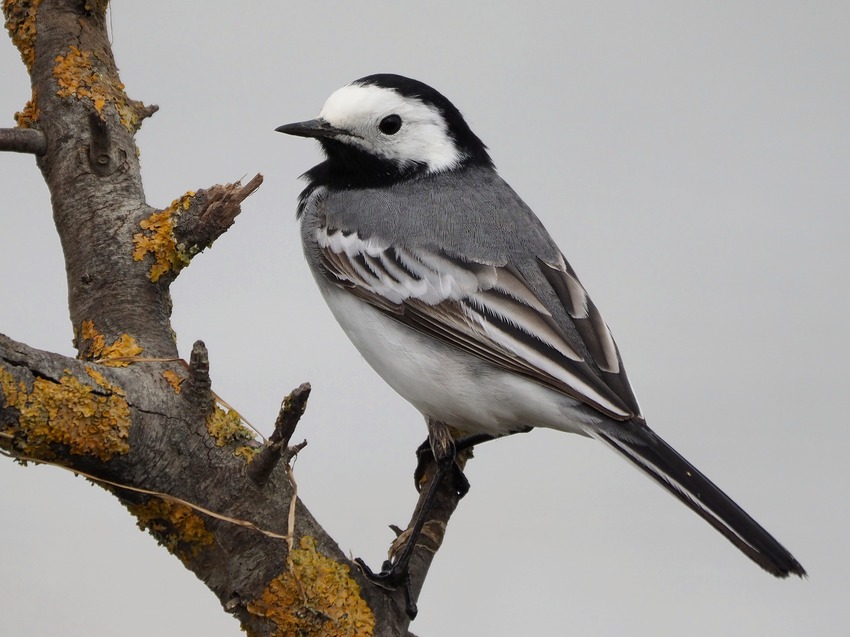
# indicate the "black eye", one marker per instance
pixel 390 125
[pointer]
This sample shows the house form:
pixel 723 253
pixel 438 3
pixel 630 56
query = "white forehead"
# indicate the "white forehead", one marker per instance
pixel 423 136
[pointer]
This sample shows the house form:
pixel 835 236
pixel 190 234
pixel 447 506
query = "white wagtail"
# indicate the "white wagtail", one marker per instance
pixel 454 292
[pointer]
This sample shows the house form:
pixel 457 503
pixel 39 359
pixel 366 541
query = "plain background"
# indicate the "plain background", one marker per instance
pixel 693 162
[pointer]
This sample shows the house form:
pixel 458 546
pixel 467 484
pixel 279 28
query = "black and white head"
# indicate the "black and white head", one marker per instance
pixel 386 128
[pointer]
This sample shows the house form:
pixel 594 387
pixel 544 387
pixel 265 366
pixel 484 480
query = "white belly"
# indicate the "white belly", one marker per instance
pixel 447 384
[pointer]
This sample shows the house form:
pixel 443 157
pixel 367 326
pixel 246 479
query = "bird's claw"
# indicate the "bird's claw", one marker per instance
pixel 390 578
pixel 424 456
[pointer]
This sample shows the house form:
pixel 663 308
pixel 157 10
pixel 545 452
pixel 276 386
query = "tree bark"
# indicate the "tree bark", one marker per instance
pixel 127 413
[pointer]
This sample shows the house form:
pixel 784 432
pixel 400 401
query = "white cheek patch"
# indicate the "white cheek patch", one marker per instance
pixel 423 137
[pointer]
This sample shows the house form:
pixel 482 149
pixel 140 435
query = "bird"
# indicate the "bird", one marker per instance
pixel 454 292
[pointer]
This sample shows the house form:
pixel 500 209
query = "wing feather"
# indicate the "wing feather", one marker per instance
pixel 489 311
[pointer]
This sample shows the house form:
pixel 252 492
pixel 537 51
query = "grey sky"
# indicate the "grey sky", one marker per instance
pixel 693 162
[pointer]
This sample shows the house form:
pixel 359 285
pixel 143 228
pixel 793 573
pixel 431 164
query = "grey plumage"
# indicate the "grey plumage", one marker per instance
pixel 456 294
pixel 472 217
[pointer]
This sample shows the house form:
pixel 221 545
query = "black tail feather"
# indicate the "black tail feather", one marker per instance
pixel 648 451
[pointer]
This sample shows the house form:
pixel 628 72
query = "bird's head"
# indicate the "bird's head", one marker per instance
pixel 386 128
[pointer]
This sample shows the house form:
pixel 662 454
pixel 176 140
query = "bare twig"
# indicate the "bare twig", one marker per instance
pixel 23 140
pixel 434 528
pixel 291 451
pixel 146 110
pixel 198 387
pixel 210 213
pixel 291 410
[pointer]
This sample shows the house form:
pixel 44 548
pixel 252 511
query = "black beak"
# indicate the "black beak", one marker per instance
pixel 317 128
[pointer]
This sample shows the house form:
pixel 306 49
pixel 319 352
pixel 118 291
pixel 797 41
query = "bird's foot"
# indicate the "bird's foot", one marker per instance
pixel 425 455
pixel 391 577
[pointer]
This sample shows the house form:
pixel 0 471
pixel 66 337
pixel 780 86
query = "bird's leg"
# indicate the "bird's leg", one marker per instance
pixel 395 573
pixel 424 454
pixel 446 455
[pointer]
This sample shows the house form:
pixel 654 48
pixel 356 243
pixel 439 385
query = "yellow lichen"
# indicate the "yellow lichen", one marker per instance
pixel 246 453
pixel 29 116
pixel 226 427
pixel 96 376
pixel 76 76
pixel 173 379
pixel 175 526
pixel 158 239
pixel 69 413
pixel 13 392
pixel 96 348
pixel 317 597
pixel 21 24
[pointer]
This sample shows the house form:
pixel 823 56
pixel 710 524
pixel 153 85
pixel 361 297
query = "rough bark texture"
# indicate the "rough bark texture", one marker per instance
pixel 126 413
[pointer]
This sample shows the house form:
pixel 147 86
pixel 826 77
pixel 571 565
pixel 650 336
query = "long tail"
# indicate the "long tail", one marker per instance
pixel 647 450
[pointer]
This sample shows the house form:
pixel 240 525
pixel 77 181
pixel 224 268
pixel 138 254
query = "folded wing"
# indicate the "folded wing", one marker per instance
pixel 489 311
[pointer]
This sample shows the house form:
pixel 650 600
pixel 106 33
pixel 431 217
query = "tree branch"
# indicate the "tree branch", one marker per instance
pixel 145 435
pixel 127 413
pixel 23 140
pixel 210 213
pixel 198 387
pixel 291 410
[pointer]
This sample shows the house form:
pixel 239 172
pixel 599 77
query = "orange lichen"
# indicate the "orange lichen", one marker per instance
pixel 76 76
pixel 175 526
pixel 124 346
pixel 21 24
pixel 29 116
pixel 70 413
pixel 316 597
pixel 158 240
pixel 99 378
pixel 173 379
